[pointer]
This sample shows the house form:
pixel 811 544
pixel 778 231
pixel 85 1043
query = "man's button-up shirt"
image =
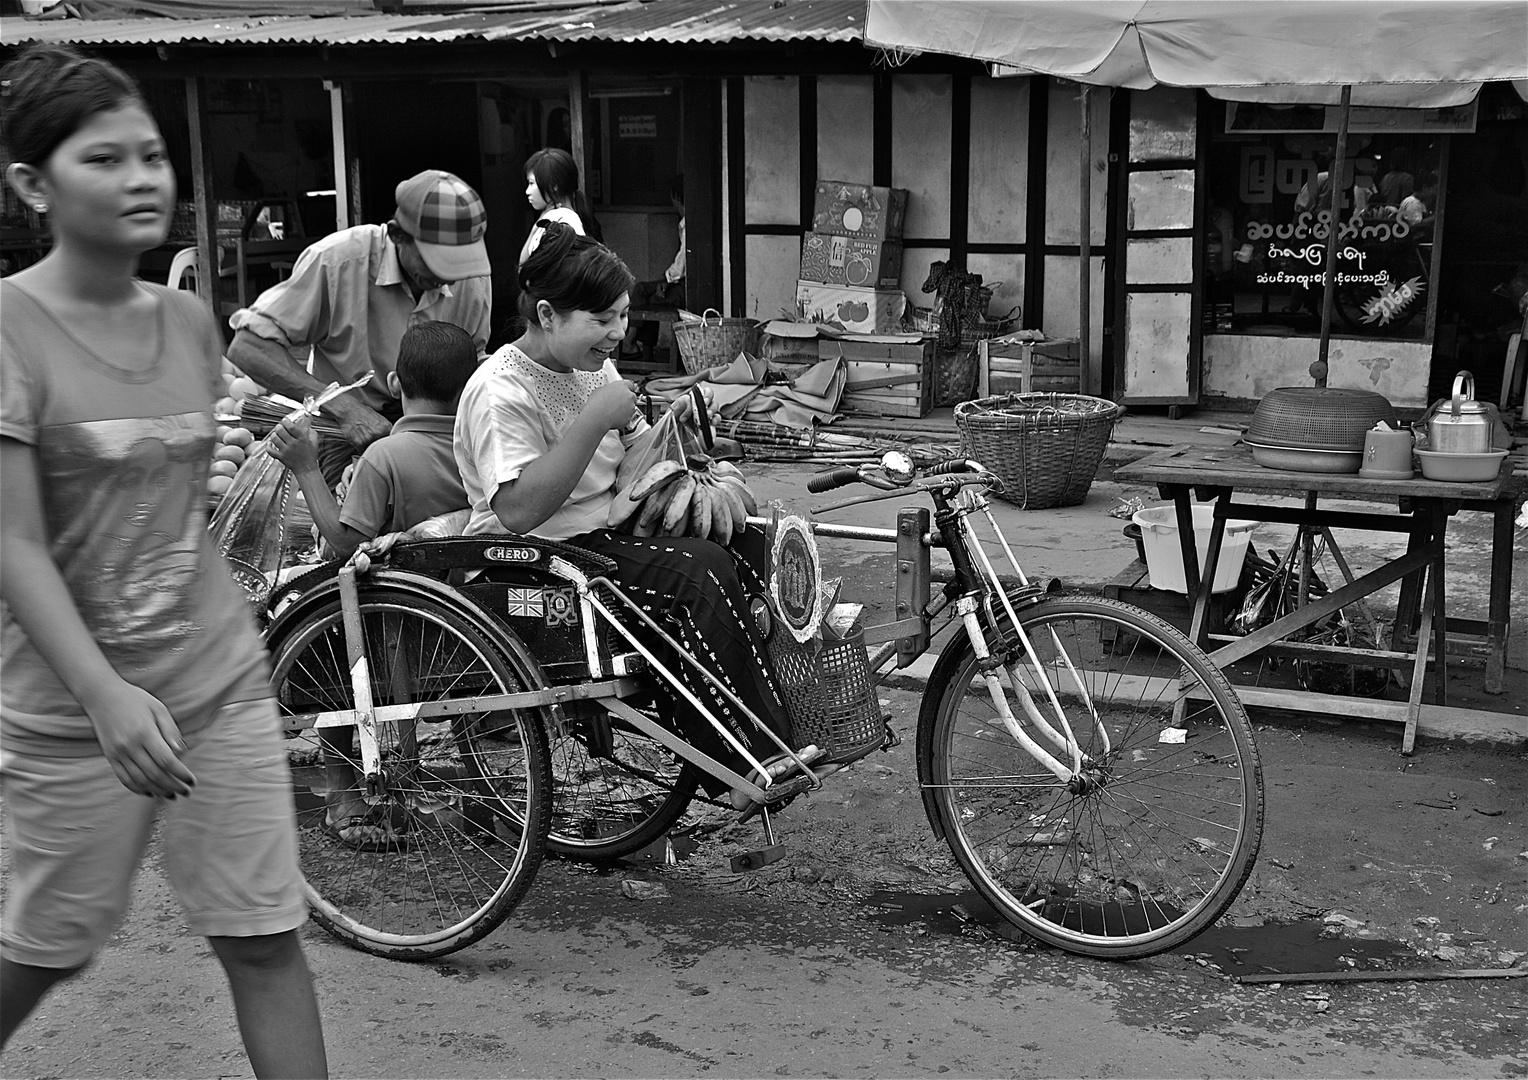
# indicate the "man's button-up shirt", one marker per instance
pixel 347 300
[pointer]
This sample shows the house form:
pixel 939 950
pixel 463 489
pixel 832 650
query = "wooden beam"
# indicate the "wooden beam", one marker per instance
pixel 579 127
pixel 202 196
pixel 341 152
pixel 701 150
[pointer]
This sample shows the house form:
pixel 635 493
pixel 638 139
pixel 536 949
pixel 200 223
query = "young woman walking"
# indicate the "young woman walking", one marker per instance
pixel 134 685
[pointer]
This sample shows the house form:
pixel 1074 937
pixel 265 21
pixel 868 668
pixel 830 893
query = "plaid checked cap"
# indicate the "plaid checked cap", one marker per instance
pixel 447 220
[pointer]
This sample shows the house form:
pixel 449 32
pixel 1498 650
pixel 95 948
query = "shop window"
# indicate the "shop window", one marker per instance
pixel 1269 189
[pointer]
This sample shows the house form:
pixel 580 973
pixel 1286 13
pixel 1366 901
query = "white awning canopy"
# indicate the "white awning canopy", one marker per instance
pixel 1417 53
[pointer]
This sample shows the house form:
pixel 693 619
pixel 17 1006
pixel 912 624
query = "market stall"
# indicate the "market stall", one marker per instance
pixel 1423 55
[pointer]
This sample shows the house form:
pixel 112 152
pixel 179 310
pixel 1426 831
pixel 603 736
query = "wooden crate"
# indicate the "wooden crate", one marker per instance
pixel 1024 366
pixel 884 378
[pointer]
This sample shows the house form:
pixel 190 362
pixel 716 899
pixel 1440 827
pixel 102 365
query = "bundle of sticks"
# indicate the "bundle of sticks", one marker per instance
pixel 767 442
pixel 260 413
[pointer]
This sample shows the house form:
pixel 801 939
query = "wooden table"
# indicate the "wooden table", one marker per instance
pixel 1424 508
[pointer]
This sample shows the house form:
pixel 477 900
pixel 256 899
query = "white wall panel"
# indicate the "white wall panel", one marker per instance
pixel 1163 124
pixel 920 150
pixel 1160 200
pixel 772 151
pixel 916 263
pixel 1246 367
pixel 1062 180
pixel 999 196
pixel 1061 307
pixel 1157 342
pixel 1166 260
pixel 1006 274
pixel 773 264
pixel 846 128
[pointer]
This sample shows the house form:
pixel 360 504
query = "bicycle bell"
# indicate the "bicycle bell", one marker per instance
pixel 1464 425
pixel 898 467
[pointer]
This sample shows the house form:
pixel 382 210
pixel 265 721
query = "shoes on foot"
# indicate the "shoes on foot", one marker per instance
pixel 365 832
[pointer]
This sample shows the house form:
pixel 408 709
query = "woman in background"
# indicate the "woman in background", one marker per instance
pixel 551 187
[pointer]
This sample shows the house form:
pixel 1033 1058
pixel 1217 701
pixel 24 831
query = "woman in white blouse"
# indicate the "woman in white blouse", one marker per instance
pixel 551 187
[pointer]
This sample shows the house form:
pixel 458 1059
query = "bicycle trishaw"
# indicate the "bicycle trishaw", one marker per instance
pixel 1092 772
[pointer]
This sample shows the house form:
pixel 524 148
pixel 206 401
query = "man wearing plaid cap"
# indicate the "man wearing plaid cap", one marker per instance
pixel 352 295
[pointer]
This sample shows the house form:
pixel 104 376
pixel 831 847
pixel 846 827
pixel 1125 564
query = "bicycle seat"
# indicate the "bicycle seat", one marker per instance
pixel 501 550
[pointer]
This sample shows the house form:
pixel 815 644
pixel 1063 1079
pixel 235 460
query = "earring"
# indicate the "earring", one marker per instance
pixel 41 207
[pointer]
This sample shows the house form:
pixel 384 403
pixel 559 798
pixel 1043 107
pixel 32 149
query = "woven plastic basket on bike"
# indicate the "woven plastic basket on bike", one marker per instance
pixel 829 693
pixel 1046 447
pixel 715 340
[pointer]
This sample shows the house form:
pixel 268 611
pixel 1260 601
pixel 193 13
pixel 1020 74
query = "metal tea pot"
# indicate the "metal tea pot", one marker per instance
pixel 1463 426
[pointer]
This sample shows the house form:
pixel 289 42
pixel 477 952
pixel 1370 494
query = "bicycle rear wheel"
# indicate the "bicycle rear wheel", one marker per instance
pixel 1158 838
pixel 614 794
pixel 452 870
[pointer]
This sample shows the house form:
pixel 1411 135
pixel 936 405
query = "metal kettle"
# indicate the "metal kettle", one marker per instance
pixel 1463 426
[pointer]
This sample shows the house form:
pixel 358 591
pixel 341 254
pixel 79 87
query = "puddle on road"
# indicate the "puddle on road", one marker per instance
pixel 941 913
pixel 1273 948
pixel 1289 948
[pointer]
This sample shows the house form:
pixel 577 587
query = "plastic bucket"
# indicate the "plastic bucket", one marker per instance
pixel 1164 555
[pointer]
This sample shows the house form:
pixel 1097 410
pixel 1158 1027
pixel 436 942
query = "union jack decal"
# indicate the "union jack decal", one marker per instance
pixel 524 603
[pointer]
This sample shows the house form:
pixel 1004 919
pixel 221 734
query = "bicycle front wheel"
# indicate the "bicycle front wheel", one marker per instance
pixel 444 856
pixel 1152 842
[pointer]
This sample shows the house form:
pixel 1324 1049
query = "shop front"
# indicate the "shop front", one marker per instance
pixel 1269 177
pixel 1424 235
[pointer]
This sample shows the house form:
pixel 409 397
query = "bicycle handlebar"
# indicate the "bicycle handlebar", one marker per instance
pixel 834 478
pixel 954 465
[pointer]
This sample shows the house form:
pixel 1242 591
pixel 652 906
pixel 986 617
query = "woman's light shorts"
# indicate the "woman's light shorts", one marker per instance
pixel 75 837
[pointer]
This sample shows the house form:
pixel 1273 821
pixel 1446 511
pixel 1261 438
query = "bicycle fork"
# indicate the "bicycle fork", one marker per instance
pixel 970 607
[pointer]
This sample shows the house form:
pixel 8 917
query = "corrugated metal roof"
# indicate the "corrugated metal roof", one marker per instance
pixel 666 21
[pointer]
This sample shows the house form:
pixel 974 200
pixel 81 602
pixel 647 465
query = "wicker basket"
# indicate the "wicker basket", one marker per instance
pixel 954 375
pixel 715 339
pixel 956 370
pixel 1046 447
pixel 829 693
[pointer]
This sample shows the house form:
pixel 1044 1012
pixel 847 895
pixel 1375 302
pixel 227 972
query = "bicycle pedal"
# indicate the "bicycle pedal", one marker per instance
pixel 753 860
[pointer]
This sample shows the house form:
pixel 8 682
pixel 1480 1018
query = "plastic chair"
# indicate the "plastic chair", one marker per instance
pixel 182 267
pixel 1510 374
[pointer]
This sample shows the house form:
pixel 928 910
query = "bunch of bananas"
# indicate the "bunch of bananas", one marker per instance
pixel 701 497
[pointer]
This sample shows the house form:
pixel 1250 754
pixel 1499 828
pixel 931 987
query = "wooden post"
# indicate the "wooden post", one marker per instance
pixel 1329 292
pixel 579 126
pixel 341 152
pixel 1091 383
pixel 202 195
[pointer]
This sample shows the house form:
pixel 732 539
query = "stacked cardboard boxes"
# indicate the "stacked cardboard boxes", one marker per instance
pixel 851 260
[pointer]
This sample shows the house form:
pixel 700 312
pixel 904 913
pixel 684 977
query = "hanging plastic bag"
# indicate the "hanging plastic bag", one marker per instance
pixel 249 528
pixel 683 430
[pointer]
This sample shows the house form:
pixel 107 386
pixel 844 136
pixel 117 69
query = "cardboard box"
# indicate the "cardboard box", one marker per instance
pixel 1023 367
pixel 789 347
pixel 847 260
pixel 884 378
pixel 855 310
pixel 870 213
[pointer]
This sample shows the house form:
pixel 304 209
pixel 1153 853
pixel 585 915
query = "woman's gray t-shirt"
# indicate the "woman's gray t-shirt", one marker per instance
pixel 123 457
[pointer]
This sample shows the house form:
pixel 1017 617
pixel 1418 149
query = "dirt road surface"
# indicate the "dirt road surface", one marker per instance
pixel 863 953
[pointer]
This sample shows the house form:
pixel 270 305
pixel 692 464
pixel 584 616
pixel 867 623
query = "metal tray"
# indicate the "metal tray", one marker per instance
pixel 1304 459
